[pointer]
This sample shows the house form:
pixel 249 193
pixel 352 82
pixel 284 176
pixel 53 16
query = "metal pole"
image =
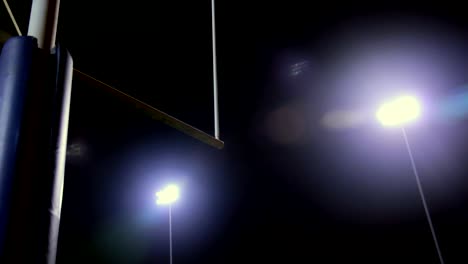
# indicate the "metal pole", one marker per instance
pixel 12 17
pixel 423 198
pixel 43 22
pixel 215 72
pixel 170 234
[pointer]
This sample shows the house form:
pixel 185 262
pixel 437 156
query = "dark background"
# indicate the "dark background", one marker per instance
pixel 287 190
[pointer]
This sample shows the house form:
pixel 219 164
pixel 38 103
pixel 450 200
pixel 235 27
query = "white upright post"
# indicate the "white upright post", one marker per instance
pixel 215 72
pixel 43 22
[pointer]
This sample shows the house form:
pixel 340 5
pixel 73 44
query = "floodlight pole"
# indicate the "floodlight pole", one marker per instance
pixel 170 234
pixel 421 193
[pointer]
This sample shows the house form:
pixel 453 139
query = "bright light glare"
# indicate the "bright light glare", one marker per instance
pixel 168 195
pixel 400 111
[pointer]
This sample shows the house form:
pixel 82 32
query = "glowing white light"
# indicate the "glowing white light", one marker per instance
pixel 168 195
pixel 402 110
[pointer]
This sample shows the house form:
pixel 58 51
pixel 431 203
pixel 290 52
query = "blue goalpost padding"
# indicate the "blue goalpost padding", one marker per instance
pixel 35 90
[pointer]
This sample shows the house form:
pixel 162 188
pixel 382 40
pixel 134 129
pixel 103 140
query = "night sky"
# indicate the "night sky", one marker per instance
pixel 290 186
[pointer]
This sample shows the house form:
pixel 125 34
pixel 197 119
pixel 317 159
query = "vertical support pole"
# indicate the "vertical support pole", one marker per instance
pixel 170 234
pixel 422 196
pixel 43 22
pixel 215 72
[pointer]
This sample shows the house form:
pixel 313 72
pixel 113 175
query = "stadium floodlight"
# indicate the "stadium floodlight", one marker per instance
pixel 399 111
pixel 168 195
